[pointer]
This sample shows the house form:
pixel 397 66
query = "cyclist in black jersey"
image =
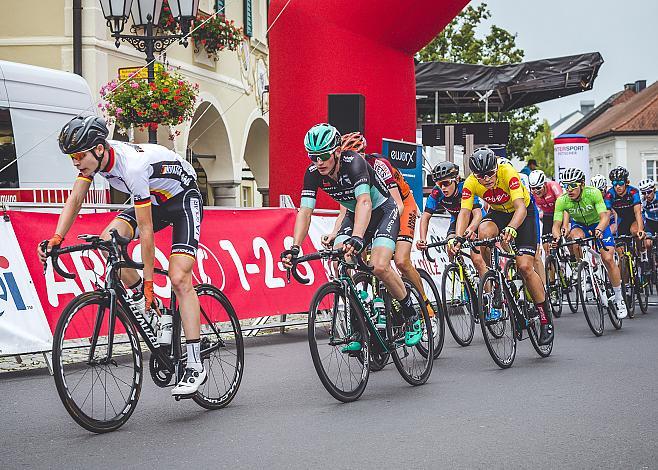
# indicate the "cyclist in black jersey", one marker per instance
pixel 164 188
pixel 372 214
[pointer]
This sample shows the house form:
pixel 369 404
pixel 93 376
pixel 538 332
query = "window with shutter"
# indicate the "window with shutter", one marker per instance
pixel 219 6
pixel 248 19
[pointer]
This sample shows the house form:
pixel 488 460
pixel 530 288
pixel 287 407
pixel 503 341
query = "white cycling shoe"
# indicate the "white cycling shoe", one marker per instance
pixel 621 309
pixel 435 329
pixel 190 383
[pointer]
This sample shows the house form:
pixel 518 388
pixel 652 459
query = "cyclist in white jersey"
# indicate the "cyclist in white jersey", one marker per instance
pixel 165 192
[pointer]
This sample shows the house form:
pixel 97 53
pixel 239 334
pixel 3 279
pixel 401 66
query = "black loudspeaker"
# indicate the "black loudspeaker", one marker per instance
pixel 347 112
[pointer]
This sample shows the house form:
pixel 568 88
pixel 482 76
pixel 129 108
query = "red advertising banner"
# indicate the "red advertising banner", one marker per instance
pixel 238 253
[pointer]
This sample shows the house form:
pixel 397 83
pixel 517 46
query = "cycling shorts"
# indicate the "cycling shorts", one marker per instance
pixel 546 224
pixel 526 238
pixel 588 230
pixel 452 228
pixel 537 231
pixel 651 227
pixel 382 230
pixel 624 225
pixel 408 220
pixel 184 212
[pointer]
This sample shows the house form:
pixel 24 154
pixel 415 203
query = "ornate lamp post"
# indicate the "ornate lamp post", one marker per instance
pixel 146 14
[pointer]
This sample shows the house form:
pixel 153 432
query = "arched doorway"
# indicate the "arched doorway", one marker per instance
pixel 256 157
pixel 209 149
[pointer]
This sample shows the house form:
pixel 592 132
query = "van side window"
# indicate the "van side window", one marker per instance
pixel 8 176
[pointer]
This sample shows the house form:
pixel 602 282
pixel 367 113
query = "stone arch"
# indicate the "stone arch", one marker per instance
pixel 208 145
pixel 256 151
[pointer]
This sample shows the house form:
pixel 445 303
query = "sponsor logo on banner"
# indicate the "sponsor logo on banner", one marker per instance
pixel 10 294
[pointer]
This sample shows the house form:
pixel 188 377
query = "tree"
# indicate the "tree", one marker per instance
pixel 460 42
pixel 542 149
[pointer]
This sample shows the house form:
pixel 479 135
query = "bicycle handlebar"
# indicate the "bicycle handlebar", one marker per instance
pixel 464 242
pixel 322 254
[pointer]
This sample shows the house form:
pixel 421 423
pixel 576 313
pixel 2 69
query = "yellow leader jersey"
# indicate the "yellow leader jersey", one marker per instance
pixel 508 188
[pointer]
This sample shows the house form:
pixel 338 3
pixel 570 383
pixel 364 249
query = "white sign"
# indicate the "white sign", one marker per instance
pixel 571 153
pixel 23 325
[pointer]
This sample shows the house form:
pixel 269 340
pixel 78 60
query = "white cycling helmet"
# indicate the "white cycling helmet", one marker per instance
pixel 573 175
pixel 537 179
pixel 600 182
pixel 646 185
pixel 504 161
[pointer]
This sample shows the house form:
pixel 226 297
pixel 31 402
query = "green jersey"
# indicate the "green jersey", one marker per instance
pixel 584 211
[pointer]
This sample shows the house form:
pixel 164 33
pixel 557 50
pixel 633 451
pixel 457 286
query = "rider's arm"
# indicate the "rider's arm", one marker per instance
pixel 339 220
pixel 475 220
pixel 424 225
pixel 520 212
pixel 362 213
pixel 637 209
pixel 302 223
pixel 397 197
pixel 73 205
pixel 467 202
pixel 462 221
pixel 558 218
pixel 146 238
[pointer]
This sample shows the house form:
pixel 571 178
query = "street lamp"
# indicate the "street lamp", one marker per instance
pixel 146 14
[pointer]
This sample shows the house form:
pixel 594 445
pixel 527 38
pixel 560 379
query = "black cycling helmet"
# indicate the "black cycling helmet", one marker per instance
pixel 82 133
pixel 483 160
pixel 618 174
pixel 445 170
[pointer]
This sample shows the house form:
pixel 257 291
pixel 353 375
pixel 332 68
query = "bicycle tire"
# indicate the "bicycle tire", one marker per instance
pixel 595 314
pixel 423 357
pixel 485 303
pixel 572 290
pixel 378 357
pixel 353 329
pixel 459 316
pixel 231 349
pixel 434 298
pixel 627 289
pixel 64 345
pixel 534 332
pixel 554 286
pixel 642 290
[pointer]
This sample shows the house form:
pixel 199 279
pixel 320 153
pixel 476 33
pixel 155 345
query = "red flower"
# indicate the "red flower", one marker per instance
pixel 155 106
pixel 165 90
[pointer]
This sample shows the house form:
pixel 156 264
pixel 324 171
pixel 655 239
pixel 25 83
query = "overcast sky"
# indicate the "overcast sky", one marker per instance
pixel 624 32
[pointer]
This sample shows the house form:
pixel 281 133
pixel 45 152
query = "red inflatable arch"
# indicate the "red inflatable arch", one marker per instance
pixel 318 47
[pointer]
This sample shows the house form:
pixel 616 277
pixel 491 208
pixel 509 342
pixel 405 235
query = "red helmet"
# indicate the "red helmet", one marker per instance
pixel 354 141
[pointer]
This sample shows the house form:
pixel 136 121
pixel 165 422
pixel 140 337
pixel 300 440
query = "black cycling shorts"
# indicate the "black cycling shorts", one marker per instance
pixel 651 227
pixel 546 224
pixel 526 234
pixel 624 225
pixel 382 230
pixel 184 212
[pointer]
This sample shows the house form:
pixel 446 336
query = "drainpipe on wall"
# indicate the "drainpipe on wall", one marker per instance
pixel 77 37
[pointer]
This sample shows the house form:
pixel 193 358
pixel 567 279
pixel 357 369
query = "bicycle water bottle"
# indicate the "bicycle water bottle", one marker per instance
pixel 166 325
pixel 380 309
pixel 365 297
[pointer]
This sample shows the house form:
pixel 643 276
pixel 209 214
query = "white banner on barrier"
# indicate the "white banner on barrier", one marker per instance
pixel 23 325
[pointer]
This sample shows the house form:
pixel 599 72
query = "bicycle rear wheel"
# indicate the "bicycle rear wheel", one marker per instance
pixel 379 357
pixel 570 288
pixel 502 345
pixel 222 348
pixel 627 288
pixel 100 395
pixel 333 324
pixel 458 305
pixel 642 283
pixel 554 286
pixel 590 299
pixel 413 363
pixel 438 319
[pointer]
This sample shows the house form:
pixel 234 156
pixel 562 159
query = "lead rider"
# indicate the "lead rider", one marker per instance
pixel 165 192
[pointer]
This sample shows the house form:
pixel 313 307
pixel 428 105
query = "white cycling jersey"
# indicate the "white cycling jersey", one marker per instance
pixel 151 173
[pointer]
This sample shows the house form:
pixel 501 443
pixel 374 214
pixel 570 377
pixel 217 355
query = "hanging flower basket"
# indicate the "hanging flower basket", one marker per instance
pixel 167 23
pixel 169 100
pixel 215 35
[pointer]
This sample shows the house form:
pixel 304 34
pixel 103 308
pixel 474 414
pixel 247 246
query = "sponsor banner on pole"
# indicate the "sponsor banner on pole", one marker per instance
pixel 408 158
pixel 571 151
pixel 23 326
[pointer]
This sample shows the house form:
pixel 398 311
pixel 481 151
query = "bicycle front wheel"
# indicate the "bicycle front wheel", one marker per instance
pixel 496 316
pixel 554 286
pixel 642 287
pixel 414 363
pixel 436 315
pixel 338 339
pixel 222 348
pixel 99 392
pixel 628 286
pixel 590 299
pixel 570 287
pixel 458 305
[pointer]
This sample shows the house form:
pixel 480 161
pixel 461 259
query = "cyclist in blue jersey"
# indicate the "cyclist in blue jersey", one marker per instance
pixel 447 195
pixel 624 199
pixel 649 209
pixel 600 182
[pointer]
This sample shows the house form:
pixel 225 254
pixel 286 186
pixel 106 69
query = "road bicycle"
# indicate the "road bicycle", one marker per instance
pixel 97 356
pixel 458 293
pixel 594 288
pixel 633 283
pixel 561 274
pixel 341 331
pixel 506 308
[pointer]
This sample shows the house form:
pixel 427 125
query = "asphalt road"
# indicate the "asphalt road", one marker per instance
pixel 592 404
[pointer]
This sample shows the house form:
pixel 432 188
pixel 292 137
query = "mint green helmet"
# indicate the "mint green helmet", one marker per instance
pixel 322 138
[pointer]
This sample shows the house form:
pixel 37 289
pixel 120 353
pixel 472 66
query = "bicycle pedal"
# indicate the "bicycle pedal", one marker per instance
pixel 184 397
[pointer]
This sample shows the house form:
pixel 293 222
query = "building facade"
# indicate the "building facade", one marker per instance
pixel 228 138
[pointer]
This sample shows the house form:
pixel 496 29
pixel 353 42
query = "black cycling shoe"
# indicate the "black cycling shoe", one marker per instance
pixel 546 334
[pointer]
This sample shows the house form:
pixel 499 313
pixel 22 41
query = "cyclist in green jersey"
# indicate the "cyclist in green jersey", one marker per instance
pixel 589 216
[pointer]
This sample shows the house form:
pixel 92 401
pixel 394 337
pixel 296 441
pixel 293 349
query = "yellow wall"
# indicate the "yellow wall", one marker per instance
pixel 21 18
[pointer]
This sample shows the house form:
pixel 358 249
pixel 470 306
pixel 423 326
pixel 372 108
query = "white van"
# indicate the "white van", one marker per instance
pixel 35 103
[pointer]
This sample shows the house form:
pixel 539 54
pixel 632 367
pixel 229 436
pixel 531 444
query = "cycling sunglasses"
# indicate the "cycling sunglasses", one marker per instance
pixel 485 175
pixel 536 189
pixel 646 193
pixel 444 183
pixel 78 155
pixel 320 156
pixel 570 186
pixel 619 183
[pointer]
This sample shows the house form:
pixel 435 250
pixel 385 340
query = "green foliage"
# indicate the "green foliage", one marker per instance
pixel 542 149
pixel 461 42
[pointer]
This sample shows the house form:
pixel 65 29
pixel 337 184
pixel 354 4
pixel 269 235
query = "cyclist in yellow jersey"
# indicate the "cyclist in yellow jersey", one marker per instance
pixel 510 214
